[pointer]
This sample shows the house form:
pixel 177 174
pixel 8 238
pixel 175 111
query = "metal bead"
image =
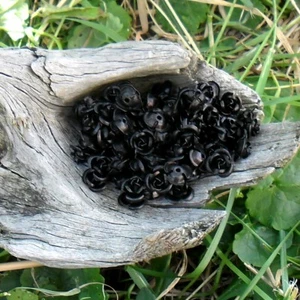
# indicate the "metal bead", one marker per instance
pixel 155 144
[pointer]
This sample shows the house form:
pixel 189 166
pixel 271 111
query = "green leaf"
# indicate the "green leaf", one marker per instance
pixel 162 265
pixel 191 14
pixel 234 290
pixel 114 26
pixel 248 3
pixel 145 294
pixel 293 113
pixel 26 278
pixel 113 35
pixel 245 18
pixel 114 23
pixel 267 263
pixel 4 255
pixel 22 295
pixel 83 36
pixel 87 283
pixel 13 14
pixel 275 201
pixel 92 291
pixel 290 175
pixel 123 18
pixel 137 277
pixel 252 250
pixel 9 280
pixel 87 13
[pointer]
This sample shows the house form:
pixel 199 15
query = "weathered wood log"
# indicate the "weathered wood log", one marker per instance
pixel 46 213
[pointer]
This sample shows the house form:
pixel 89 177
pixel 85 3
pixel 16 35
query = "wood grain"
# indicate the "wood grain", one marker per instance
pixel 46 213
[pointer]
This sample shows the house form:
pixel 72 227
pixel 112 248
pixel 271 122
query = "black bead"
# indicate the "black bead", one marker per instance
pixel 154 144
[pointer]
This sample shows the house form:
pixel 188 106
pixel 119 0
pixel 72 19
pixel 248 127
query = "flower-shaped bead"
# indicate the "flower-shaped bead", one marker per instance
pixel 129 98
pixel 142 142
pixel 155 120
pixel 91 179
pixel 210 115
pixel 178 174
pixel 158 93
pixel 111 93
pixel 104 111
pixel 121 122
pixel 101 165
pixel 133 193
pixel 157 182
pixel 228 104
pixel 219 162
pixel 210 89
pixel 179 193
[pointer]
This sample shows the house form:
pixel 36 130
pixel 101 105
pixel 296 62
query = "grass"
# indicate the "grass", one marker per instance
pixel 247 257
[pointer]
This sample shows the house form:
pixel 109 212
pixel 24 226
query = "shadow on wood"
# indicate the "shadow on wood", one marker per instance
pixel 46 213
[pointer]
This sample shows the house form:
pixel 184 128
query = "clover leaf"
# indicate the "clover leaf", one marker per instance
pixel 275 202
pixel 251 249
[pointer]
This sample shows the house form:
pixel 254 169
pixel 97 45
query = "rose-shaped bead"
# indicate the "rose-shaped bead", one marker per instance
pixel 111 93
pixel 219 163
pixel 90 124
pixel 162 90
pixel 211 90
pixel 133 193
pixel 142 142
pixel 178 193
pixel 105 111
pixel 168 107
pixel 79 154
pixel 210 116
pixel 93 181
pixel 137 166
pixel 101 165
pixel 84 107
pixel 228 104
pixel 190 100
pixel 249 122
pixel 157 182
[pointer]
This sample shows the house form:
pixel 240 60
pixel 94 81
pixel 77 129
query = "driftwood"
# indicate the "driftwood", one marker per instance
pixel 46 213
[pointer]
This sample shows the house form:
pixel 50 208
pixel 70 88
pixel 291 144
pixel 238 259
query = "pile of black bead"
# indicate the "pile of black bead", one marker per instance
pixel 156 144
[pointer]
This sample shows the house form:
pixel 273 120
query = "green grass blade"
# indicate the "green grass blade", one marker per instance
pixel 241 275
pixel 286 100
pixel 283 263
pixel 213 246
pixel 184 30
pixel 266 265
pixel 137 277
pixel 185 43
pixel 242 60
pixel 257 54
pixel 221 33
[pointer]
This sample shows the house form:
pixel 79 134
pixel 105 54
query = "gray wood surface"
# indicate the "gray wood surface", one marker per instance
pixel 46 213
